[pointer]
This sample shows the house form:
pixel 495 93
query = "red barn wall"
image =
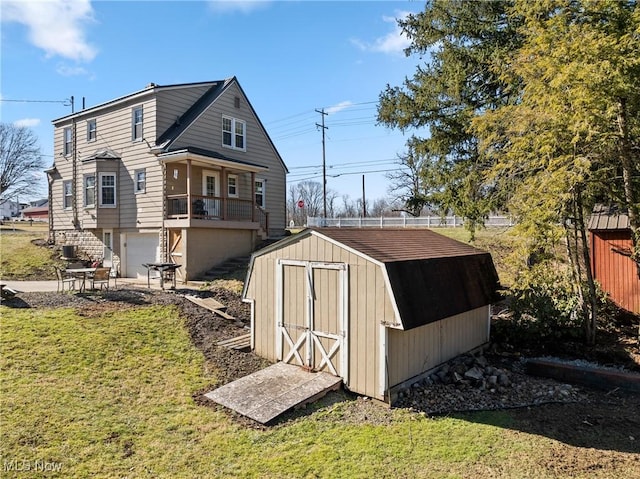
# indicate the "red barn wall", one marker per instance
pixel 616 273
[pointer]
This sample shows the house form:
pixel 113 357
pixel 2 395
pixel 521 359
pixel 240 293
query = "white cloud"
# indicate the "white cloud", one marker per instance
pixel 393 42
pixel 339 107
pixel 69 71
pixel 242 6
pixel 56 26
pixel 27 122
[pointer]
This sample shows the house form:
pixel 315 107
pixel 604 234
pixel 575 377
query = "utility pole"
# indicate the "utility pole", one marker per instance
pixel 324 164
pixel 364 201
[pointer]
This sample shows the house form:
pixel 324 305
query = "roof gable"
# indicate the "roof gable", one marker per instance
pixel 167 138
pixel 189 116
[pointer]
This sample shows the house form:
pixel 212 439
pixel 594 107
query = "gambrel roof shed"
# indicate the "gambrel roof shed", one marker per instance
pixel 374 306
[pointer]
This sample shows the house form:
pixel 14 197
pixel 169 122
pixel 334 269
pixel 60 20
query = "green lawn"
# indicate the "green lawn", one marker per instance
pixel 20 259
pixel 111 396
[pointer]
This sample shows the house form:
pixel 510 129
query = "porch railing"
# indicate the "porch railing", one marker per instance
pixel 216 208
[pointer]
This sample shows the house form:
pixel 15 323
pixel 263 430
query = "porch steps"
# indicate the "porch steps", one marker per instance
pixel 229 266
pixel 232 265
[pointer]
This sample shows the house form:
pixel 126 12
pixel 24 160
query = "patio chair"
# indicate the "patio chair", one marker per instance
pixel 101 276
pixel 64 278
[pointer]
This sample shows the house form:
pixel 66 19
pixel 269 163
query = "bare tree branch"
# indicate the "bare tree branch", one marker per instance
pixel 20 160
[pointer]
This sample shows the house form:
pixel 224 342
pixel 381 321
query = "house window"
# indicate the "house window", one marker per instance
pixel 92 130
pixel 140 181
pixel 67 192
pixel 259 191
pixel 68 141
pixel 233 133
pixel 89 190
pixel 107 189
pixel 232 186
pixel 136 123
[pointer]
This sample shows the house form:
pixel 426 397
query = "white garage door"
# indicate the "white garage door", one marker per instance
pixel 141 248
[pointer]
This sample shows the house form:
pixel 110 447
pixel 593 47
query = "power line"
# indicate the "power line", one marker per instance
pixel 64 102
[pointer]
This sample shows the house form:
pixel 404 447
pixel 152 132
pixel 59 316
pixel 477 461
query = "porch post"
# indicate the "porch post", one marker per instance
pixel 189 206
pixel 253 196
pixel 225 190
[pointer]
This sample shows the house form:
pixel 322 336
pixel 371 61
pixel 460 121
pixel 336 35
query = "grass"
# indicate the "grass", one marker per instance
pixel 19 258
pixel 497 241
pixel 111 396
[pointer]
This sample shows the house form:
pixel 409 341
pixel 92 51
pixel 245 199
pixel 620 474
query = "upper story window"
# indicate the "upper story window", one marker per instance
pixel 233 133
pixel 92 130
pixel 259 192
pixel 68 141
pixel 140 181
pixel 107 189
pixel 232 186
pixel 89 190
pixel 136 123
pixel 67 194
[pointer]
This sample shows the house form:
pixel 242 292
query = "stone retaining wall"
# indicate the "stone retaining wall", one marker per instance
pixel 88 245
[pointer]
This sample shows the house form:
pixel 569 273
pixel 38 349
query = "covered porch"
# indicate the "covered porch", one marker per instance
pixel 206 186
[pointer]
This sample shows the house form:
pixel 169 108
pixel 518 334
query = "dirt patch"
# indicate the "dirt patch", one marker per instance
pixel 595 433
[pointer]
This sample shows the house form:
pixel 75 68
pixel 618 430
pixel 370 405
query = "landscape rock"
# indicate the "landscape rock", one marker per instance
pixel 471 383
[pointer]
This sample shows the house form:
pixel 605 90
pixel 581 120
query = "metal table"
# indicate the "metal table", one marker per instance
pixel 166 270
pixel 81 274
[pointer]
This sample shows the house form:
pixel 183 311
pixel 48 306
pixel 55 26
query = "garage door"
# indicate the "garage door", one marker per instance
pixel 141 248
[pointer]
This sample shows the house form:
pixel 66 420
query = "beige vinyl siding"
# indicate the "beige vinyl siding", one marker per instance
pixel 212 246
pixel 113 133
pixel 368 306
pixel 62 219
pixel 421 349
pixel 206 133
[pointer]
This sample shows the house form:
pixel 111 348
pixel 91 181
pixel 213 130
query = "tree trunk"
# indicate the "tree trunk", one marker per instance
pixel 626 159
pixel 591 322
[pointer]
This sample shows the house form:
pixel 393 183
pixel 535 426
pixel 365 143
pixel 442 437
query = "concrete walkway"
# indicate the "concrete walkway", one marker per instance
pixel 49 286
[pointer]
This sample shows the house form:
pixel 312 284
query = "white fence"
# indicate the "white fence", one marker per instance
pixel 405 222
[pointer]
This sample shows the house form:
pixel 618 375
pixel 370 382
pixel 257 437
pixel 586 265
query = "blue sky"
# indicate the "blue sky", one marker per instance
pixel 291 58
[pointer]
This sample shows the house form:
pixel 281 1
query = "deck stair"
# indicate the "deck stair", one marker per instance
pixel 227 267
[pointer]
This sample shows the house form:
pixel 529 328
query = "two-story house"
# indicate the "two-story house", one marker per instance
pixel 177 173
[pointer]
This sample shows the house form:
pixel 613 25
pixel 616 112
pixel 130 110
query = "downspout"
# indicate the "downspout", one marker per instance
pixel 163 232
pixel 74 174
pixel 51 238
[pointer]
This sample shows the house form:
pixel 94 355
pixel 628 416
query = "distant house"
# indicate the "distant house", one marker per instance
pixel 11 209
pixel 377 307
pixel 613 268
pixel 37 213
pixel 180 173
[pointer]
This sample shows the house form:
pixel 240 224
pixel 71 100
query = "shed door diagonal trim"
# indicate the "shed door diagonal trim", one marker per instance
pixel 312 315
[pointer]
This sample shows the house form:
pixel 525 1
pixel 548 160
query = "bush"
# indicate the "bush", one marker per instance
pixel 545 304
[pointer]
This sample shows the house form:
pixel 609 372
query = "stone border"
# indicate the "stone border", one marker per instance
pixel 598 378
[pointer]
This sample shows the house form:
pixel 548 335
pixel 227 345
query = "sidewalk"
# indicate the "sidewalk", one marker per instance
pixel 52 286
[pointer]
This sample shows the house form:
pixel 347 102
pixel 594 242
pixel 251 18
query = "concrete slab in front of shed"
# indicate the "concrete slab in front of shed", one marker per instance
pixel 270 392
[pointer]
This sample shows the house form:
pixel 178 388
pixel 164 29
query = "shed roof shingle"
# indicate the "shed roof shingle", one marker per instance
pixel 432 277
pixel 608 217
pixel 402 244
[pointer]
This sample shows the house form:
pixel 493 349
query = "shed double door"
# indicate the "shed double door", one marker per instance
pixel 312 318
